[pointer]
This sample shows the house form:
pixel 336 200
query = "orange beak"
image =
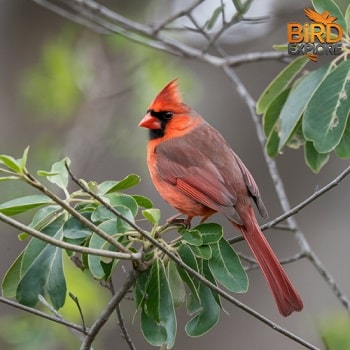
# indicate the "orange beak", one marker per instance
pixel 150 122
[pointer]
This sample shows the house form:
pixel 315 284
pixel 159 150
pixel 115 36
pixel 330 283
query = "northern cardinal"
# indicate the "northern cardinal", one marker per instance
pixel 195 170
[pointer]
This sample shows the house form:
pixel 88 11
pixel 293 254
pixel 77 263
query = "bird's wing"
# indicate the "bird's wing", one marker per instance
pixel 185 166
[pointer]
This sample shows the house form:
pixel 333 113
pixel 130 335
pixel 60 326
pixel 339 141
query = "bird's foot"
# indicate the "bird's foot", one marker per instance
pixel 177 221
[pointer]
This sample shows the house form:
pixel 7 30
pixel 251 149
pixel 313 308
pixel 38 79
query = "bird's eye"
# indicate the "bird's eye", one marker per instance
pixel 167 115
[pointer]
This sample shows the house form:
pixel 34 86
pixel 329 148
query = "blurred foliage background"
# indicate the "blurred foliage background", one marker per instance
pixel 67 91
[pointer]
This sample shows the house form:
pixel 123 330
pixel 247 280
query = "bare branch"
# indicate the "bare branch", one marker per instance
pixel 107 312
pixel 64 245
pixel 39 313
pixel 308 200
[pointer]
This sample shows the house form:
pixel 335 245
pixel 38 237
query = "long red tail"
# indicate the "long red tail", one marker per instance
pixel 286 297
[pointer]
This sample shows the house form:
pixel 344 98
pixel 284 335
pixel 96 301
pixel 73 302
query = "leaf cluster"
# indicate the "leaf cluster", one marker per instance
pixel 97 222
pixel 311 108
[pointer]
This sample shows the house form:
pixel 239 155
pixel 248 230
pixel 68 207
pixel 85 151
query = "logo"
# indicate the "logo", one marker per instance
pixel 321 36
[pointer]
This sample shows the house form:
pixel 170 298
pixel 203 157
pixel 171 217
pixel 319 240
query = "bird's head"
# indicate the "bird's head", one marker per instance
pixel 167 114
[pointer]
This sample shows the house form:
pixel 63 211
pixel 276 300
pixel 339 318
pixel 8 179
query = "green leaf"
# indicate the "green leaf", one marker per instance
pixel 102 214
pixel 296 103
pixel 280 83
pixel 75 229
pixel 176 285
pixel 22 204
pixel 117 199
pixel 116 186
pixel 343 148
pixel 97 242
pixel 210 232
pixel 329 5
pixel 45 173
pixel 152 215
pixel 271 123
pixel 213 19
pixel 143 202
pixel 42 269
pixel 140 288
pixel 314 159
pixel 11 279
pixel 280 47
pixel 202 252
pixel 192 237
pixel 326 114
pixel 10 162
pixel 347 19
pixel 23 161
pixel 227 269
pixel 189 259
pixel 158 321
pixel 8 178
pixel 208 315
pixel 62 176
pixel 45 216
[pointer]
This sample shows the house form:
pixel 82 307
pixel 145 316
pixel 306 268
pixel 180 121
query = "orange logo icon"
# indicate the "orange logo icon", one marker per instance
pixel 322 36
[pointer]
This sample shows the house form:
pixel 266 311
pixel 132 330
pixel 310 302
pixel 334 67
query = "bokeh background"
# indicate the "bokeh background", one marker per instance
pixel 67 91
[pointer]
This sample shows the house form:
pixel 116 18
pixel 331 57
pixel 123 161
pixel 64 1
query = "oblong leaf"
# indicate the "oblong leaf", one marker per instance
pixel 211 22
pixel 75 229
pixel 116 186
pixel 10 163
pixel 296 102
pixel 143 202
pixel 333 9
pixel 117 199
pixel 97 242
pixel 192 237
pixel 176 285
pixel 343 148
pixel 271 123
pixel 208 315
pixel 280 83
pixel 152 215
pixel 326 115
pixel 11 279
pixel 22 204
pixel 42 270
pixel 210 232
pixel 61 176
pixel 158 321
pixel 226 267
pixel 313 159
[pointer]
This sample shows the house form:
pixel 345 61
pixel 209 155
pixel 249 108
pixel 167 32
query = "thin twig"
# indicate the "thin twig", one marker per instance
pixel 107 312
pixel 75 299
pixel 39 313
pixel 76 333
pixel 253 265
pixel 121 323
pixel 68 246
pixel 308 200
pixel 296 209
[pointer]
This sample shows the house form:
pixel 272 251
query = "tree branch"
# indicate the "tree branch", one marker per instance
pixel 41 314
pixel 308 200
pixel 107 312
pixel 64 245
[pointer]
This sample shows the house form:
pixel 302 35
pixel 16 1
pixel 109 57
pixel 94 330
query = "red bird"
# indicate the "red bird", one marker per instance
pixel 195 170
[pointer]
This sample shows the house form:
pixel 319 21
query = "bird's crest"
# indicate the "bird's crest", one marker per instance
pixel 169 99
